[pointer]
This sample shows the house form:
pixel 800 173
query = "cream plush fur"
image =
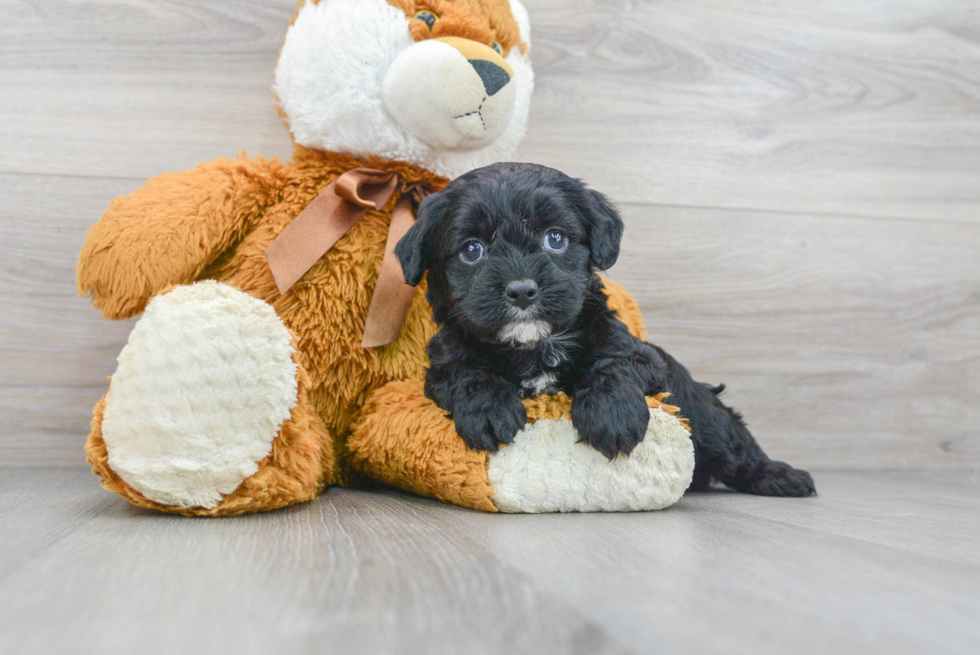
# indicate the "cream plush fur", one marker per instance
pixel 202 388
pixel 330 77
pixel 546 470
pixel 433 90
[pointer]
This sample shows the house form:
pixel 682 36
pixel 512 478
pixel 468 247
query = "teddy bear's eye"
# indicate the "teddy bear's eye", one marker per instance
pixel 496 46
pixel 427 17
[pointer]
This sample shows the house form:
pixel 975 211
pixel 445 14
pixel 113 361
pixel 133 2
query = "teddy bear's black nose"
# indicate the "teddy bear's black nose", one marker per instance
pixel 522 293
pixel 494 77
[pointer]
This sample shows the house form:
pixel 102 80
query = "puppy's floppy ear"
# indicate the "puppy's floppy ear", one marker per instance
pixel 417 249
pixel 605 229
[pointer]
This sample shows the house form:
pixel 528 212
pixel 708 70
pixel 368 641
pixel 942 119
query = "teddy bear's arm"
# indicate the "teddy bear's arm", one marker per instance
pixel 168 231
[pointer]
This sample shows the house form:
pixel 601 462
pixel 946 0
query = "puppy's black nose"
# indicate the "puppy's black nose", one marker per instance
pixel 522 293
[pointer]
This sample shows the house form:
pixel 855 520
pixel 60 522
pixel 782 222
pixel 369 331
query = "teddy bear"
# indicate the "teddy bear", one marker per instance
pixel 279 350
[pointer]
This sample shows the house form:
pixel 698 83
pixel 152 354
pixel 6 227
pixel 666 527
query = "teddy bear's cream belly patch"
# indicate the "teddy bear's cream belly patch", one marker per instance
pixel 202 389
pixel 545 470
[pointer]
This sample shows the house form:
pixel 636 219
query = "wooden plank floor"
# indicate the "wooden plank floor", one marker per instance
pixel 878 563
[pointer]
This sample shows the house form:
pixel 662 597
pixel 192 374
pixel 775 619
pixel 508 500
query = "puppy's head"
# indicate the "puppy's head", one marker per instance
pixel 511 251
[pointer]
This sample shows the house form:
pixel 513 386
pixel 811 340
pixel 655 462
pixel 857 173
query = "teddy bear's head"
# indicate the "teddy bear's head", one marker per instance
pixel 443 84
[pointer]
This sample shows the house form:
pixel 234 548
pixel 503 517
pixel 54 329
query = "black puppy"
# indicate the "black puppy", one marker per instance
pixel 513 253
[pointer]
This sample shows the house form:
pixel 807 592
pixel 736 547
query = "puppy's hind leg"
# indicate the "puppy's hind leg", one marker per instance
pixel 724 449
pixel 732 455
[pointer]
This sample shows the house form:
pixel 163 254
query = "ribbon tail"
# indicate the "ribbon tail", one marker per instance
pixel 392 297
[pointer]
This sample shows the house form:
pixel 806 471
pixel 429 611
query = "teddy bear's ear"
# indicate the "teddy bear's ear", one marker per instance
pixel 417 249
pixel 605 227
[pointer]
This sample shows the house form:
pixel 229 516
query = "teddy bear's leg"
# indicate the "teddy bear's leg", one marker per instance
pixel 405 440
pixel 208 412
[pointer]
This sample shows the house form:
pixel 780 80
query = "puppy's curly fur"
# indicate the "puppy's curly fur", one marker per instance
pixel 513 254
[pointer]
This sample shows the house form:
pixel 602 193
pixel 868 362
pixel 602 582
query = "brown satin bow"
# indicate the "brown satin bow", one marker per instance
pixel 318 227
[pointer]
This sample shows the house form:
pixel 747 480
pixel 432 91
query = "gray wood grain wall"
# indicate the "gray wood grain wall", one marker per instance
pixel 801 183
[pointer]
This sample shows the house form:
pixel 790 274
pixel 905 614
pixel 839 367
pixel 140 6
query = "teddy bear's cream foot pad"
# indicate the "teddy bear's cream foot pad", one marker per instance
pixel 202 388
pixel 545 470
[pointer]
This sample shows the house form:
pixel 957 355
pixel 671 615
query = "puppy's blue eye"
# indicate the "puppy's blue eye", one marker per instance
pixel 472 252
pixel 555 241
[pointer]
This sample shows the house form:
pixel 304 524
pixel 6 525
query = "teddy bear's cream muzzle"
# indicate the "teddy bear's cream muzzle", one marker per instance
pixel 453 93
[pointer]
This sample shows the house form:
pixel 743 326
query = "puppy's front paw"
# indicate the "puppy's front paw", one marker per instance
pixel 484 422
pixel 611 422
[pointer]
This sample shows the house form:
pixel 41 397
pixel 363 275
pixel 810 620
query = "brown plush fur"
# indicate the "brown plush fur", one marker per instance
pixel 626 308
pixel 484 21
pixel 406 440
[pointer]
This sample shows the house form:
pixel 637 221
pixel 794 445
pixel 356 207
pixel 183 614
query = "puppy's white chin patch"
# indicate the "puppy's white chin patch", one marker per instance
pixel 524 333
